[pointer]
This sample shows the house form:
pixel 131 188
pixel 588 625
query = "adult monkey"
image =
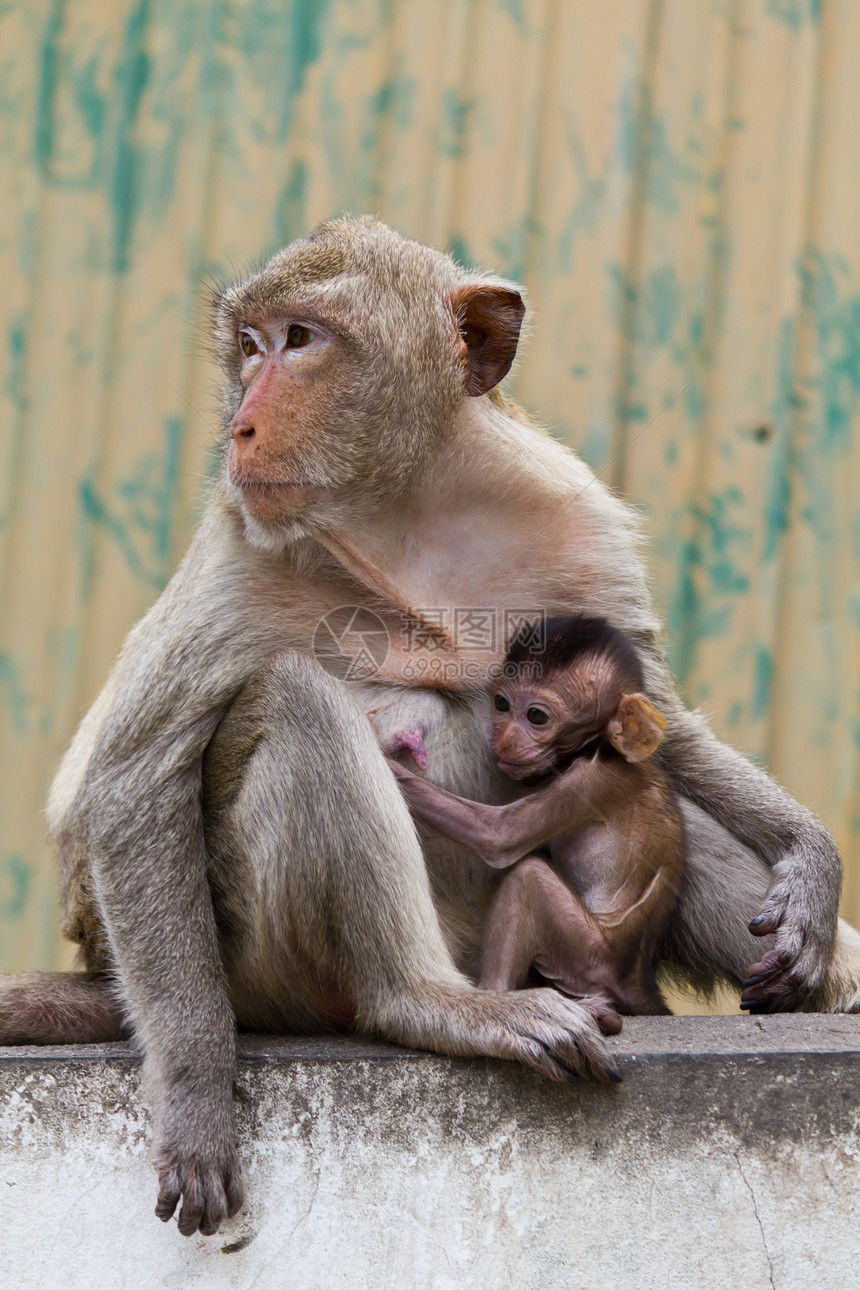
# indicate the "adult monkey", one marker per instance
pixel 369 462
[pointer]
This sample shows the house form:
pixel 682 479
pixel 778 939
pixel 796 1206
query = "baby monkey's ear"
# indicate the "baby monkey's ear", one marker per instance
pixel 637 727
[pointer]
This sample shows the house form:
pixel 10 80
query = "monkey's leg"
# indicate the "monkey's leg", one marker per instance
pixel 537 921
pixel 336 894
pixel 60 1008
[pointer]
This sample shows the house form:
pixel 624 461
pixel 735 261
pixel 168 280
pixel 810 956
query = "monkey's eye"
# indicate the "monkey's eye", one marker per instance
pixel 247 344
pixel 537 716
pixel 299 336
pixel 501 704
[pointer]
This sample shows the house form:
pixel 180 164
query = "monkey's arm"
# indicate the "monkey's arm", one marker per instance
pixel 501 835
pixel 129 798
pixel 801 905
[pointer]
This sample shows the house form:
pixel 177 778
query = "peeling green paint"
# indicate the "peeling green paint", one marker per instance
pixel 514 10
pixel 779 486
pixel 590 192
pixel 836 317
pixel 15 883
pixel 815 412
pixel 711 575
pixel 510 247
pixel 16 385
pixel 62 654
pixel 131 81
pixel 290 211
pixel 12 688
pixel 647 313
pixel 645 150
pixel 457 113
pixel 794 13
pixel 762 682
pixel 44 130
pixel 459 248
pixel 138 515
pixel 595 444
pixel 306 23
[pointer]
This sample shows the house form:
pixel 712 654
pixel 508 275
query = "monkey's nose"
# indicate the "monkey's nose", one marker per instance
pixel 243 432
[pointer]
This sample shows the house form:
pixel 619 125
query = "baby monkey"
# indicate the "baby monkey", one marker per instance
pixel 594 851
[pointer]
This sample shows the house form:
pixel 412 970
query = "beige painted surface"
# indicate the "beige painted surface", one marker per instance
pixel 675 181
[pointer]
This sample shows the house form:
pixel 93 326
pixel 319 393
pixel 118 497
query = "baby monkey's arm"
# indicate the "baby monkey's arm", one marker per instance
pixel 501 835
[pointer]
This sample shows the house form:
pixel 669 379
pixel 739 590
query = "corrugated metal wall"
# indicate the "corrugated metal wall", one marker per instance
pixel 676 181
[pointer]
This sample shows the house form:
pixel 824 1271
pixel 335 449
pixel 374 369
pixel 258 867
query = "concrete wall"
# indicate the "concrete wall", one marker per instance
pixel 727 1160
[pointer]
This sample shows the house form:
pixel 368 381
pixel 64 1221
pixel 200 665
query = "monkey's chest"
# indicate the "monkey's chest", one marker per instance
pixel 596 862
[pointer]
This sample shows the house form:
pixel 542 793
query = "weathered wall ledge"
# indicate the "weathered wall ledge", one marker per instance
pixel 727 1158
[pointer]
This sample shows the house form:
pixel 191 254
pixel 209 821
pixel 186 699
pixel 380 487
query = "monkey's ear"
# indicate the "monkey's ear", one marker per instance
pixel 637 728
pixel 489 319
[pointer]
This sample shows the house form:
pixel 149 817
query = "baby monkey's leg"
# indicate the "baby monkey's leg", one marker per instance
pixel 537 921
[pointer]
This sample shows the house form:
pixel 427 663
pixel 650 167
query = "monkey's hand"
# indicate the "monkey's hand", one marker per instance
pixel 195 1156
pixel 473 824
pixel 794 967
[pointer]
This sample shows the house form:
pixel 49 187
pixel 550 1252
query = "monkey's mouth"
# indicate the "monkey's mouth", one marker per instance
pixel 268 487
pixel 521 769
pixel 273 500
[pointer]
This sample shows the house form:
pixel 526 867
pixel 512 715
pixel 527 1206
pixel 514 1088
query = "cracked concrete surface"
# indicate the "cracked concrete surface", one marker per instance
pixel 727 1158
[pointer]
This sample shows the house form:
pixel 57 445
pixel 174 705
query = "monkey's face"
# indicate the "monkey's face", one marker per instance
pixel 346 359
pixel 281 458
pixel 538 723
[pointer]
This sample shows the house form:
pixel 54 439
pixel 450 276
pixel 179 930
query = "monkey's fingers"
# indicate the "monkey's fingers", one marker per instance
pixel 559 1039
pixel 192 1215
pixel 765 924
pixel 169 1192
pixel 778 982
pixel 606 1017
pixel 209 1196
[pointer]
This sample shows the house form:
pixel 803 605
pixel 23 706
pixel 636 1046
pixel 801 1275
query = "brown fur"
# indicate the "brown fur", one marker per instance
pixel 304 884
pixel 595 852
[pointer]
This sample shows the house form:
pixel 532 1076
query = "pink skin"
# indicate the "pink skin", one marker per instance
pixel 411 741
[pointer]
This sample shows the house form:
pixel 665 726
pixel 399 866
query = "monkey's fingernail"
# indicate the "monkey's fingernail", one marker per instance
pixel 615 1076
pixel 753 980
pixel 758 920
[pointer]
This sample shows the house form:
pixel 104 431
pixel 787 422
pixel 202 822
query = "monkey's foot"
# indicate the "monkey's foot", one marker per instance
pixel 411 741
pixel 558 1037
pixel 542 1029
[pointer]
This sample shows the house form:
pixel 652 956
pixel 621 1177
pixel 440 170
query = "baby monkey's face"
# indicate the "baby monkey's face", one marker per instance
pixel 538 723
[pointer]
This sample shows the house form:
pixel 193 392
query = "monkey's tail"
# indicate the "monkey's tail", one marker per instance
pixel 61 1008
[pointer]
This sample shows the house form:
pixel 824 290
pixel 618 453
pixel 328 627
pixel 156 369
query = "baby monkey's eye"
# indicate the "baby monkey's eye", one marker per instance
pixel 299 336
pixel 501 704
pixel 248 344
pixel 537 716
